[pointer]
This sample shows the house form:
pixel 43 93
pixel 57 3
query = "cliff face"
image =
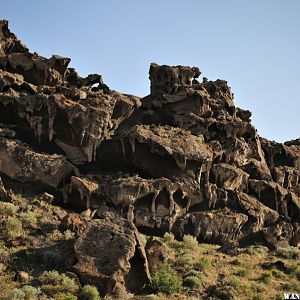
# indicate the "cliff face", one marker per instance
pixel 183 159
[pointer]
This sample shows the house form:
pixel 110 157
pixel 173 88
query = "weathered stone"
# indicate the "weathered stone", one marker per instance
pixel 229 177
pixel 21 163
pixel 73 222
pixel 271 194
pixel 212 227
pixel 166 79
pixel 177 152
pixel 281 154
pixel 156 253
pixel 259 215
pixel 120 271
pixel 149 203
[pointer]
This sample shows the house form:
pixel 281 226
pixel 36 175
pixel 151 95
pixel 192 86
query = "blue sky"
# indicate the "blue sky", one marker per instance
pixel 254 45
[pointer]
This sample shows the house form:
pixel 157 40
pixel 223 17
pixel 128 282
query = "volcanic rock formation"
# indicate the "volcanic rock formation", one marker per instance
pixel 183 159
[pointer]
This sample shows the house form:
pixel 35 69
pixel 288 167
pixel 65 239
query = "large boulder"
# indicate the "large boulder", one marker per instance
pixel 110 256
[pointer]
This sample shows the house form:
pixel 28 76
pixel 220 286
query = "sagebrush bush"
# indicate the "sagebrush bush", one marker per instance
pixel 31 293
pixel 64 296
pixel 223 292
pixel 266 277
pixel 55 235
pixel 168 237
pixel 294 285
pixel 190 242
pixel 192 282
pixel 89 292
pixel 185 259
pixel 28 219
pixel 166 280
pixel 203 264
pixel 69 235
pixel 8 209
pixel 14 228
pixel 27 292
pixel 242 272
pixel 288 252
pixel 54 282
pixel 15 294
pixel 258 297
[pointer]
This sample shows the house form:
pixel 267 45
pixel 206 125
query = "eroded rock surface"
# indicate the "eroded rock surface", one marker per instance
pixel 110 257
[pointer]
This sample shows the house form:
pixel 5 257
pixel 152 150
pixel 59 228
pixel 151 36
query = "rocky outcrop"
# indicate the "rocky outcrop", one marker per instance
pixel 53 106
pixel 183 159
pixel 110 257
pixel 21 163
pixel 213 227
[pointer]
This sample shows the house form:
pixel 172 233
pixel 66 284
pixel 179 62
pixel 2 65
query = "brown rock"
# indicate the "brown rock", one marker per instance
pixel 212 227
pixel 229 177
pixel 73 222
pixel 21 163
pixel 156 253
pixel 123 269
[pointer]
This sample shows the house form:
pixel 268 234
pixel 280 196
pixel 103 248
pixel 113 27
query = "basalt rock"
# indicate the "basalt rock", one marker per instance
pixel 22 164
pixel 212 227
pixel 183 159
pixel 153 204
pixel 110 257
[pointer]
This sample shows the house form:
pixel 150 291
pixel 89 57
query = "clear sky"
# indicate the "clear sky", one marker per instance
pixel 254 45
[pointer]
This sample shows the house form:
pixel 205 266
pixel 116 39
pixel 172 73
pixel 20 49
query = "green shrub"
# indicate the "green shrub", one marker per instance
pixel 278 274
pixel 68 284
pixel 55 235
pixel 31 293
pixel 223 292
pixel 292 268
pixel 203 264
pixel 28 219
pixel 14 228
pixel 234 281
pixel 201 138
pixel 242 272
pixel 194 273
pixel 168 237
pixel 279 297
pixel 266 277
pixel 8 209
pixel 69 235
pixel 190 242
pixel 54 282
pixel 192 282
pixel 184 259
pixel 89 292
pixel 288 252
pixel 50 277
pixel 294 285
pixel 15 294
pixel 258 297
pixel 64 296
pixel 27 292
pixel 166 280
pixel 176 245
